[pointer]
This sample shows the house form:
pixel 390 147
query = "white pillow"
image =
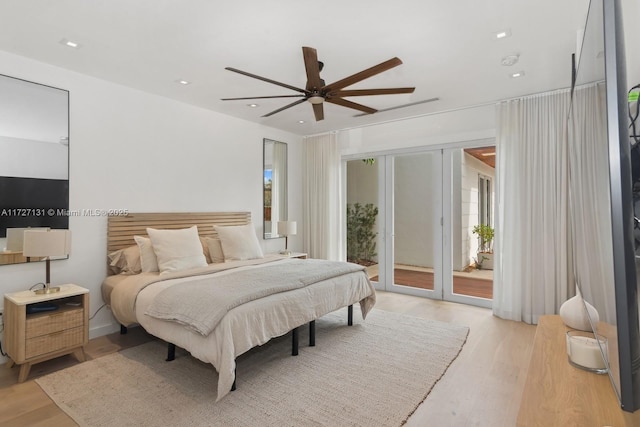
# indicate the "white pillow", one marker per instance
pixel 148 259
pixel 215 249
pixel 177 250
pixel 239 242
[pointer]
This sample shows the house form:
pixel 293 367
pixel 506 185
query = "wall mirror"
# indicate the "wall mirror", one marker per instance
pixel 34 165
pixel 274 186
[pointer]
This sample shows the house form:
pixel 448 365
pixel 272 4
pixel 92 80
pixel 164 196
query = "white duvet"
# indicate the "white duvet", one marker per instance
pixel 256 322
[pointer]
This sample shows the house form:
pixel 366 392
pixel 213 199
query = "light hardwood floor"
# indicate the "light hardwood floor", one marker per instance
pixel 482 387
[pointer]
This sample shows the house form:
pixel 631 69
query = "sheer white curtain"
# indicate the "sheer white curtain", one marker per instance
pixel 323 226
pixel 590 200
pixel 532 273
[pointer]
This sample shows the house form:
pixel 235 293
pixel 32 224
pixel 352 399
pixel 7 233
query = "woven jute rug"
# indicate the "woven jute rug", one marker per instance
pixel 374 373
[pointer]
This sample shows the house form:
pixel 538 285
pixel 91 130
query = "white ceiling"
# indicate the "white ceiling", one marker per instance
pixel 448 49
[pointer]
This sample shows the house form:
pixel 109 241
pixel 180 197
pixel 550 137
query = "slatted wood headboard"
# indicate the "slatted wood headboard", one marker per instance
pixel 121 229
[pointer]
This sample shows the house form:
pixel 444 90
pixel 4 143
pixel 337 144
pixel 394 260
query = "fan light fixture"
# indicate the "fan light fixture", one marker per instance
pixel 316 91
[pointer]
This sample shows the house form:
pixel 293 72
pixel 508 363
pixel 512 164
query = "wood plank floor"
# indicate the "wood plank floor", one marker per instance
pixel 471 286
pixel 482 387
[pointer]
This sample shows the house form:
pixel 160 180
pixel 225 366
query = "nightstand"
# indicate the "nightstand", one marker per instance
pixel 297 255
pixel 33 337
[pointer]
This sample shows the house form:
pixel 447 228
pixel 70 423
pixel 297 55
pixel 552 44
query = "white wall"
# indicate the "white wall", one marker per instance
pixel 33 159
pixel 136 151
pixel 414 203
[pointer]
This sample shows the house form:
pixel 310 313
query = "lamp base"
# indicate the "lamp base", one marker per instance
pixel 47 290
pixel 285 252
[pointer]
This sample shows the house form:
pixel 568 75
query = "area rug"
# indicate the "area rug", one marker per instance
pixel 374 373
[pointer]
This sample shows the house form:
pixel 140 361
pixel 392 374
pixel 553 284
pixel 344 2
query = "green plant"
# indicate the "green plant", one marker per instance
pixel 485 237
pixel 361 237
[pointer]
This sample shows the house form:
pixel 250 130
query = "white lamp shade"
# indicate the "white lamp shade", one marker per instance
pixel 15 237
pixel 287 228
pixel 39 243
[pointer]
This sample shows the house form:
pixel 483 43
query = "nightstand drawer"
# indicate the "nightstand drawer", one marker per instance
pixel 47 323
pixel 55 341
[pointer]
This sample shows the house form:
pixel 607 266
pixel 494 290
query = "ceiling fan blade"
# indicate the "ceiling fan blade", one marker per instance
pixel 367 92
pixel 318 111
pixel 311 66
pixel 349 104
pixel 264 79
pixel 262 97
pixel 369 72
pixel 300 101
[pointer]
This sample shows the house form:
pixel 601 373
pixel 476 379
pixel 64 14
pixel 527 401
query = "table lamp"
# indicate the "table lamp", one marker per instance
pixel 38 243
pixel 286 229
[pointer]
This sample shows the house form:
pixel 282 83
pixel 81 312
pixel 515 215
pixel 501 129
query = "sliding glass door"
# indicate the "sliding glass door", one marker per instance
pixel 412 220
pixel 414 261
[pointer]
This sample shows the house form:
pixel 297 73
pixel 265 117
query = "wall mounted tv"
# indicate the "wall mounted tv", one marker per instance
pixel 33 202
pixel 602 57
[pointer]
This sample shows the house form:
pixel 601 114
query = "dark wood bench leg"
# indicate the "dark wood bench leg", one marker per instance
pixel 312 333
pixel 350 315
pixel 294 341
pixel 123 330
pixel 171 352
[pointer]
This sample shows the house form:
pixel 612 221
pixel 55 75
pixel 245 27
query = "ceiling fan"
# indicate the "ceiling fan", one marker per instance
pixel 317 92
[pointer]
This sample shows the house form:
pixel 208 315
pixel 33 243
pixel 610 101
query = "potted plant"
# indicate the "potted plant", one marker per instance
pixel 485 251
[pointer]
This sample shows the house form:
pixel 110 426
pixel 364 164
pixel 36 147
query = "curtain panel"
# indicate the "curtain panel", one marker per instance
pixel 323 231
pixel 532 274
pixel 553 224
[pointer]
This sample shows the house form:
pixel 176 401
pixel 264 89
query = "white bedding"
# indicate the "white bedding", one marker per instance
pixel 256 322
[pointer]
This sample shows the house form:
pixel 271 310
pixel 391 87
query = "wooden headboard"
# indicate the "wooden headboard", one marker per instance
pixel 121 229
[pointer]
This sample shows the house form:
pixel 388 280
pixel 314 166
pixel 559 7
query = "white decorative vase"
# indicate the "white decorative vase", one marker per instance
pixel 574 315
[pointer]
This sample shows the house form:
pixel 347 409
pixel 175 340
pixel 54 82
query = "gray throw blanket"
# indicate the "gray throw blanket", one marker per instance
pixel 201 304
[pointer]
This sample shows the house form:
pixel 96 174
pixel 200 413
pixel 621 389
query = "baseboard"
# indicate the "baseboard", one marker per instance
pixel 103 330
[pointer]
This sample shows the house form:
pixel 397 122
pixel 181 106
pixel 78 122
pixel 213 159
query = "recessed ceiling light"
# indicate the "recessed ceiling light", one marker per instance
pixel 301 121
pixel 70 43
pixel 252 105
pixel 183 82
pixel 502 34
pixel 517 75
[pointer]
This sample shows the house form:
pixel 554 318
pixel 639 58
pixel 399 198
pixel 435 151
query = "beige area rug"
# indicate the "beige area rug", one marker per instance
pixel 374 373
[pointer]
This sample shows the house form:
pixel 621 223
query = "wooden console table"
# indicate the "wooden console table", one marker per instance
pixel 558 394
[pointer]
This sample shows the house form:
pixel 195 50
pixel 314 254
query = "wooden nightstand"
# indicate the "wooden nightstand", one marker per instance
pixel 35 337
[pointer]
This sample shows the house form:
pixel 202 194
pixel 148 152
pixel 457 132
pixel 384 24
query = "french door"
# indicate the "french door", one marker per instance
pixel 426 206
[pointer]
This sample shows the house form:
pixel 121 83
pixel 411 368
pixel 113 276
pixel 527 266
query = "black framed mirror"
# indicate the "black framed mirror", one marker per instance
pixel 34 166
pixel 275 194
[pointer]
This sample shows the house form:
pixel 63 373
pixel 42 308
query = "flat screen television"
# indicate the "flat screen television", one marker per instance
pixel 602 60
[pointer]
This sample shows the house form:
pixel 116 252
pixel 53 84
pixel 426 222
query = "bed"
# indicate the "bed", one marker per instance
pixel 271 295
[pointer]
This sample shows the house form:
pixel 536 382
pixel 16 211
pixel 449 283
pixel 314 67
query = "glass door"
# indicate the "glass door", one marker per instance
pixel 419 221
pixel 414 224
pixel 469 211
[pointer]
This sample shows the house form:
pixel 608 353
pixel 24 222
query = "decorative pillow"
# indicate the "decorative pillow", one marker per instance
pixel 148 259
pixel 126 261
pixel 177 250
pixel 205 249
pixel 239 242
pixel 215 249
